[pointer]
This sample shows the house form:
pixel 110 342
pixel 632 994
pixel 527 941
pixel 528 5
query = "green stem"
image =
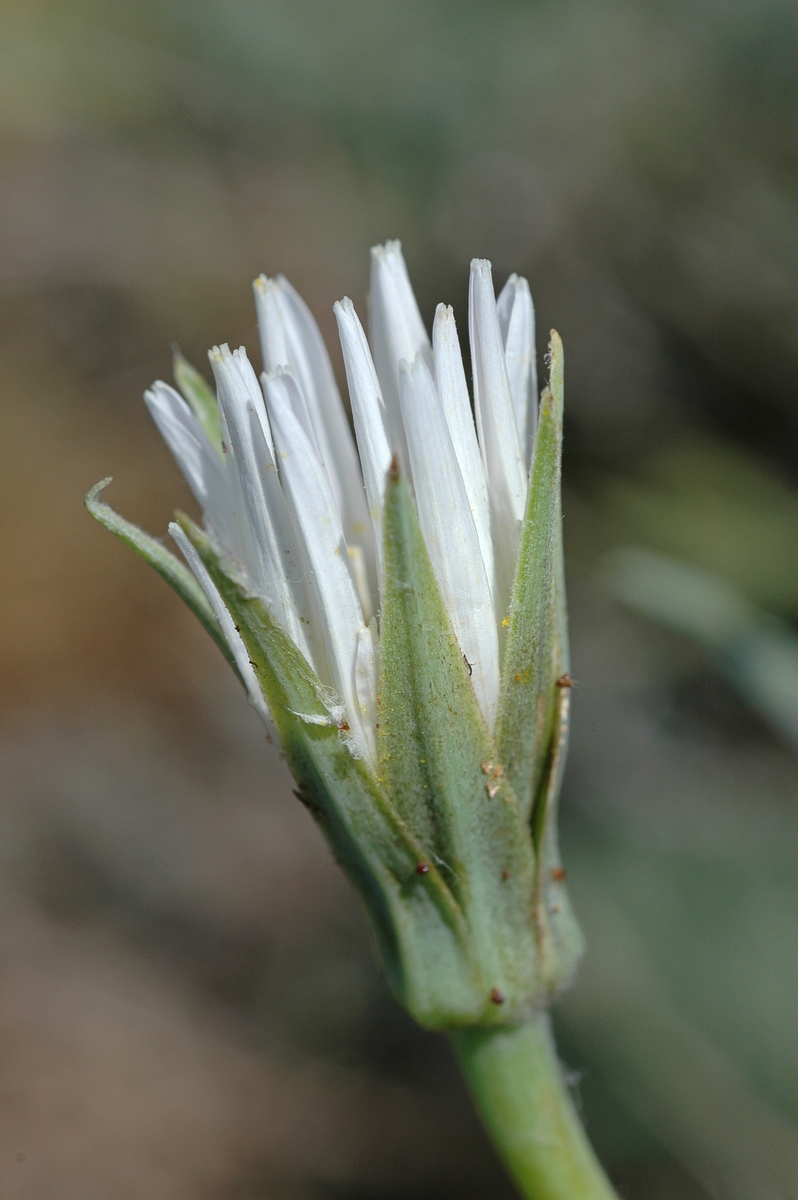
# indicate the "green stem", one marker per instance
pixel 517 1085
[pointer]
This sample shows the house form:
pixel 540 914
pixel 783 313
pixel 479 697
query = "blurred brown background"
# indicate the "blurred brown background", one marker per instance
pixel 189 1007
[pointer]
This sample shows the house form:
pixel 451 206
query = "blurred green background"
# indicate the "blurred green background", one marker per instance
pixel 189 1007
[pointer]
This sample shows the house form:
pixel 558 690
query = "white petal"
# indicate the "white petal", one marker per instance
pixel 298 404
pixel 271 555
pixel 271 327
pixel 254 392
pixel 339 612
pixel 368 410
pixel 498 436
pixel 291 338
pixel 450 531
pixel 452 389
pixel 203 467
pixel 304 632
pixel 397 331
pixel 231 635
pixel 517 322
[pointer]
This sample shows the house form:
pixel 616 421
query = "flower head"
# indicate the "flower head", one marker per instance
pixel 395 602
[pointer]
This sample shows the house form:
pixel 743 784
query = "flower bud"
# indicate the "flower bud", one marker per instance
pixel 428 741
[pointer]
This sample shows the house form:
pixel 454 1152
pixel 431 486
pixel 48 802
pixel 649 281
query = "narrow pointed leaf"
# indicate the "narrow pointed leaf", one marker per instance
pixel 168 566
pixel 423 938
pixel 437 758
pixel 530 669
pixel 534 707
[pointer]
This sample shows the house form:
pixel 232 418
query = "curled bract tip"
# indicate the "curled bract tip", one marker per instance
pixel 94 492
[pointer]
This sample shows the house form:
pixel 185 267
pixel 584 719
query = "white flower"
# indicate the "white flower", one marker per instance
pixel 289 497
pixel 398 589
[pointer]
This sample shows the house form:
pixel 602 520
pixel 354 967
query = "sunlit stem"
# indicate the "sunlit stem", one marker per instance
pixel 516 1082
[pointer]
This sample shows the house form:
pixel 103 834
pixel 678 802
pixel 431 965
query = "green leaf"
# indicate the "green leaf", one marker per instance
pixel 535 654
pixel 423 938
pixel 438 761
pixel 199 396
pixel 165 563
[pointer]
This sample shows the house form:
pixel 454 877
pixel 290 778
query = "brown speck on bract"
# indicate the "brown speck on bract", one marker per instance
pixel 558 874
pixel 565 681
pixel 422 868
pixel 497 997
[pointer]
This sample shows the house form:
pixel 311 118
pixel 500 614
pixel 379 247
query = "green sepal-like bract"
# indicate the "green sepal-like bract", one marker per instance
pixel 422 934
pixel 534 703
pixel 532 656
pixel 439 763
pixel 168 566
